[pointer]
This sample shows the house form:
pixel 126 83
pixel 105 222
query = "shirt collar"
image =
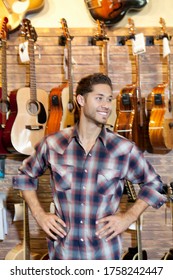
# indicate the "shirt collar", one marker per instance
pixel 75 134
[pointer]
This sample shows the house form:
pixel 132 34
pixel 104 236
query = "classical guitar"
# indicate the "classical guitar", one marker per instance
pixel 134 253
pixel 130 121
pixel 30 123
pixel 16 10
pixel 4 101
pixel 160 107
pixel 63 108
pixel 112 11
pixel 101 39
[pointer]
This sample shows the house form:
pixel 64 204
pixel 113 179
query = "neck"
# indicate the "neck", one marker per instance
pixel 88 135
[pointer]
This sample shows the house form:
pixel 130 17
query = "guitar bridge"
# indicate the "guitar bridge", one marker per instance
pixel 34 127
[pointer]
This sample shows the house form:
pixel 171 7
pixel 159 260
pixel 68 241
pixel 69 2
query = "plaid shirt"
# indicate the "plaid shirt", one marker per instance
pixel 87 187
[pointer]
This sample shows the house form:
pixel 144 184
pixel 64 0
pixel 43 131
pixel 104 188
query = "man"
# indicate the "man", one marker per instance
pixel 88 165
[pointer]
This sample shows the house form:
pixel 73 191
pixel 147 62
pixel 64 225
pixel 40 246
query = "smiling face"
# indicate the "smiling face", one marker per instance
pixel 96 106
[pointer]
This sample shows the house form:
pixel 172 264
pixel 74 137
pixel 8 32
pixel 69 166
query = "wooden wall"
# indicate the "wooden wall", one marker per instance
pixel 157 232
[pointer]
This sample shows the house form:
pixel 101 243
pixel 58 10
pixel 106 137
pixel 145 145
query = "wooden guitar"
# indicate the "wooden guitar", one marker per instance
pixel 22 250
pixel 15 10
pixel 130 121
pixel 112 11
pixel 160 108
pixel 4 101
pixel 63 110
pixel 102 40
pixel 29 125
pixel 135 253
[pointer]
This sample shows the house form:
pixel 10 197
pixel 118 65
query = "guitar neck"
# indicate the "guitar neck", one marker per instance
pixel 26 236
pixel 70 79
pixel 132 197
pixel 4 71
pixel 32 70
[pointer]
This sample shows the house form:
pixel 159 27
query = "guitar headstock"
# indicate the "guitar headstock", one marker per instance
pixel 3 28
pixel 28 30
pixel 131 28
pixel 163 32
pixel 101 31
pixel 65 29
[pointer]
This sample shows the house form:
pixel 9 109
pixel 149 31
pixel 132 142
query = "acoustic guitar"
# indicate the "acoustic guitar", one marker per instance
pixel 134 253
pixel 30 123
pixel 63 109
pixel 16 10
pixel 130 121
pixel 160 107
pixel 22 250
pixel 4 101
pixel 112 11
pixel 101 39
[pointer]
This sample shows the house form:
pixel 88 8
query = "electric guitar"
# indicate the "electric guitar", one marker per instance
pixel 4 101
pixel 130 121
pixel 15 10
pixel 160 107
pixel 63 108
pixel 112 11
pixel 30 123
pixel 134 253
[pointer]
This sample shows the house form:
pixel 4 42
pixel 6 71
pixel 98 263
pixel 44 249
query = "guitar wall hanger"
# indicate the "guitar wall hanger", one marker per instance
pixel 121 40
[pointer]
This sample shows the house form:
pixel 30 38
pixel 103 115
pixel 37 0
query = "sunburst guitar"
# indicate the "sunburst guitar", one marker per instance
pixel 30 123
pixel 16 10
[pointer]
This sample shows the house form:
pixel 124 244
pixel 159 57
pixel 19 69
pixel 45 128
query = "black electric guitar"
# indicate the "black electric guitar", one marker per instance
pixel 112 11
pixel 134 253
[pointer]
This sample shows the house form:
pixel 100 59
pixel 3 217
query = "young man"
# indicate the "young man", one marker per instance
pixel 88 165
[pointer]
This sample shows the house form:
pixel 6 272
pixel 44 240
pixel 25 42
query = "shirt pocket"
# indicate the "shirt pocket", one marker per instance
pixel 62 175
pixel 107 181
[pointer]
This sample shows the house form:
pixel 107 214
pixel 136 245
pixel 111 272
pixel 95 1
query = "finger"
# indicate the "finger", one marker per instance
pixel 58 230
pixel 60 221
pixel 111 236
pixel 104 229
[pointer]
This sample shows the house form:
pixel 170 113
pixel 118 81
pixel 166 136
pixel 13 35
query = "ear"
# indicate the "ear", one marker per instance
pixel 80 100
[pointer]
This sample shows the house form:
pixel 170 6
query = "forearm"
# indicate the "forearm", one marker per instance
pixel 32 200
pixel 136 210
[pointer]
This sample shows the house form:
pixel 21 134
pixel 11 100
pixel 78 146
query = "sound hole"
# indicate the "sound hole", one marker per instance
pixel 33 107
pixel 126 99
pixel 158 99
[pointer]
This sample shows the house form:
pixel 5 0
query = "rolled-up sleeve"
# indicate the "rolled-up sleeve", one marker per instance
pixel 31 168
pixel 143 173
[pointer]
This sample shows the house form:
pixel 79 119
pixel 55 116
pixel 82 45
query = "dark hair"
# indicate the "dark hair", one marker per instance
pixel 86 84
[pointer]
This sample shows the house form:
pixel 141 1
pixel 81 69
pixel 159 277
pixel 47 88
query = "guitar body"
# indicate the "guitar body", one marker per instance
pixel 56 110
pixel 156 110
pixel 168 125
pixel 29 127
pixel 68 117
pixel 6 137
pixel 18 253
pixel 126 112
pixel 15 10
pixel 112 11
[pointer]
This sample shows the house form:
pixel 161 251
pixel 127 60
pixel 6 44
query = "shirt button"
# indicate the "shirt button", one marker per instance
pixel 82 204
pixel 89 154
pixel 83 187
pixel 86 171
pixel 81 222
pixel 81 239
